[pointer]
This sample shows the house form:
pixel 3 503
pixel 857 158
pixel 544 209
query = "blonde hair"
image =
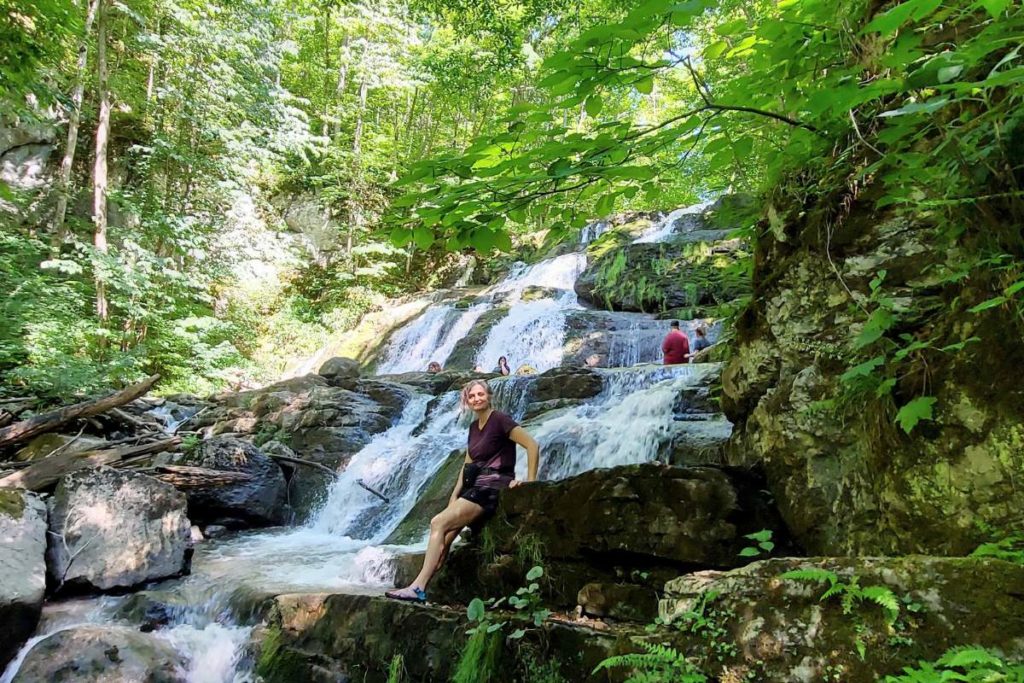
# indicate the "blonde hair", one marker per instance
pixel 464 396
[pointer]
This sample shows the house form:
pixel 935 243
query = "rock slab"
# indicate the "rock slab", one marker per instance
pixel 98 654
pixel 22 568
pixel 111 529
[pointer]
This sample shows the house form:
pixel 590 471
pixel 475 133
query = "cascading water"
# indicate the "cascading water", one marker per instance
pixel 679 221
pixel 636 418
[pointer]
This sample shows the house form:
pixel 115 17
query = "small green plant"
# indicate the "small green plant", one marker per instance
pixel 763 539
pixel 480 655
pixel 708 622
pixel 974 664
pixel 1010 548
pixel 657 664
pixel 396 670
pixel 190 442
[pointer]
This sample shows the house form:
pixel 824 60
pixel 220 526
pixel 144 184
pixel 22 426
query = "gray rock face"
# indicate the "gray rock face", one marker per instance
pixel 854 483
pixel 113 529
pixel 22 568
pixel 340 368
pixel 98 654
pixel 560 383
pixel 260 501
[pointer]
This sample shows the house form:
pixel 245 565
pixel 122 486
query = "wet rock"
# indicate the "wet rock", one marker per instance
pixel 563 383
pixel 339 369
pixel 431 500
pixel 783 629
pixel 260 501
pixel 101 654
pixel 608 526
pixel 463 356
pixel 22 568
pixel 621 601
pixel 214 530
pixel 114 529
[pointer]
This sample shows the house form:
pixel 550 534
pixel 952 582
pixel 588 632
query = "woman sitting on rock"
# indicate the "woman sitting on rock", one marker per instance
pixel 489 468
pixel 503 366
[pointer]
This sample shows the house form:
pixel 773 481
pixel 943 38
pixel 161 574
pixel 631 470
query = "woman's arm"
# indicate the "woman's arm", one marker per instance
pixel 458 482
pixel 521 437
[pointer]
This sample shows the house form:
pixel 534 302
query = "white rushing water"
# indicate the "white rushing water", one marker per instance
pixel 637 418
pixel 679 221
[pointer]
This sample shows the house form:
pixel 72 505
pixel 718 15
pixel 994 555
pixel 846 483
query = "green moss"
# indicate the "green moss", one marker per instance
pixel 478 662
pixel 277 662
pixel 12 503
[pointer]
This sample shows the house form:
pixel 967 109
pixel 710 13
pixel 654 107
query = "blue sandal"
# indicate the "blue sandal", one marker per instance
pixel 410 594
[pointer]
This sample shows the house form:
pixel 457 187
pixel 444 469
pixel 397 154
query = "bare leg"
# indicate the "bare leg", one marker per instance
pixel 448 540
pixel 457 515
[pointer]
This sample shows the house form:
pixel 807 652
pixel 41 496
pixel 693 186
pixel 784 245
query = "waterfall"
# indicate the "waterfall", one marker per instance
pixel 430 337
pixel 679 221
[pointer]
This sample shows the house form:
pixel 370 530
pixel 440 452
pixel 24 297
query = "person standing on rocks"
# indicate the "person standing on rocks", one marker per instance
pixel 489 468
pixel 676 346
pixel 700 343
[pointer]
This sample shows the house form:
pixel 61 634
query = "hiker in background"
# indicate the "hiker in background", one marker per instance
pixel 700 343
pixel 434 367
pixel 503 367
pixel 676 346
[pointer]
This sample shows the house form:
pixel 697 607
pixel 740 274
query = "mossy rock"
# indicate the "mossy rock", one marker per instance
pixel 432 500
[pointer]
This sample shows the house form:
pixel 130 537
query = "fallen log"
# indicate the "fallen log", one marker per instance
pixel 42 474
pixel 184 477
pixel 40 424
pixel 300 461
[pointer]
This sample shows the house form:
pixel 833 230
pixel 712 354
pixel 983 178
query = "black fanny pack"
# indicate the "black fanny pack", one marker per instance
pixel 472 470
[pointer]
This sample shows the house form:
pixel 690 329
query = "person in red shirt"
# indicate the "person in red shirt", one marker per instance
pixel 676 346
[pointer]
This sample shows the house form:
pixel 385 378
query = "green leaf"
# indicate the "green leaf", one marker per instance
pixel 605 204
pixel 645 85
pixel 594 105
pixel 423 237
pixel 917 108
pixel 878 322
pixel 482 240
pixel 715 49
pixel 517 634
pixel 494 627
pixel 762 535
pixel 535 573
pixel 995 8
pixel 887 22
pixel 862 370
pixel 401 237
pixel 750 552
pixel 913 412
pixel 475 610
pixel 990 303
pixel 502 241
pixel 560 168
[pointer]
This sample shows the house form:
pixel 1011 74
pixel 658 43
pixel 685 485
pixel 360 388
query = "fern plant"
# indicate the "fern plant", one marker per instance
pixel 974 664
pixel 657 664
pixel 1010 548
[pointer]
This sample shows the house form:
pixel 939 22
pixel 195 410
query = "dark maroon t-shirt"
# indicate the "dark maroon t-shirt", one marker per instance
pixel 491 447
pixel 676 347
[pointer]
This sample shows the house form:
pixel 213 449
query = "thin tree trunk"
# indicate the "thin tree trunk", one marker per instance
pixel 339 89
pixel 363 90
pixel 67 163
pixel 99 205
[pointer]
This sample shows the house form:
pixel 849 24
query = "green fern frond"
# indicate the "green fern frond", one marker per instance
pixel 884 598
pixel 811 574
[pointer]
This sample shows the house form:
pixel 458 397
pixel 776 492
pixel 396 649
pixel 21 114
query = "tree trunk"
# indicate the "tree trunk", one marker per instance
pixel 357 138
pixel 44 473
pixel 41 424
pixel 99 205
pixel 339 89
pixel 186 477
pixel 68 162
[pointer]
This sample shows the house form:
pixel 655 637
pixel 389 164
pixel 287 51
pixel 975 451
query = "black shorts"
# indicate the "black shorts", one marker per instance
pixel 484 496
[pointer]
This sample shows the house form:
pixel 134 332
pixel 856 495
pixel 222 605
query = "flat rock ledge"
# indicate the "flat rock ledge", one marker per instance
pixel 745 624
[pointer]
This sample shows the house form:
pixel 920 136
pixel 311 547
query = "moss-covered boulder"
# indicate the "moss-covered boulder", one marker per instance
pixel 463 356
pixel 636 524
pixel 432 500
pixel 657 277
pixel 356 637
pixel 847 478
pixel 882 614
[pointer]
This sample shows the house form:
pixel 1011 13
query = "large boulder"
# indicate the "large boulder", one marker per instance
pixel 900 610
pixel 258 501
pixel 22 568
pixel 101 654
pixel 338 368
pixel 847 479
pixel 112 529
pixel 562 383
pixel 633 523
